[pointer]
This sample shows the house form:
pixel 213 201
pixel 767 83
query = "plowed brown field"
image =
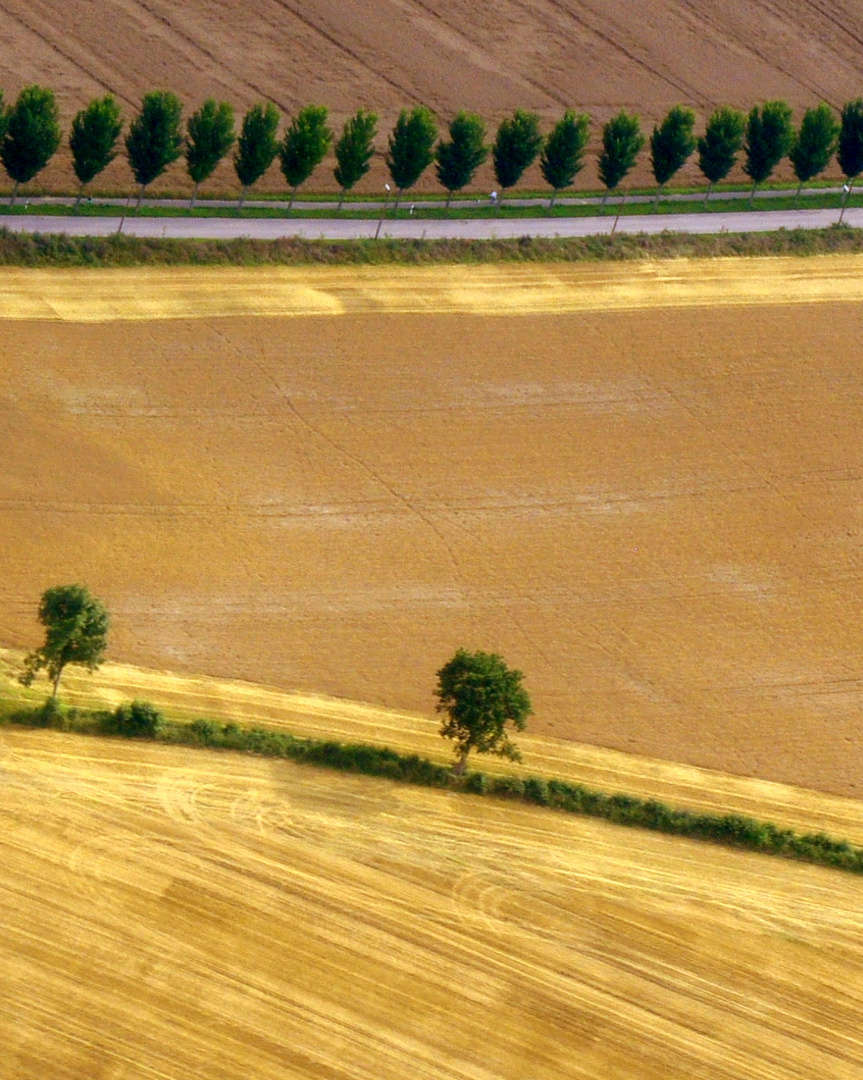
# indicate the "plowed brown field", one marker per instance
pixel 176 913
pixel 450 54
pixel 654 513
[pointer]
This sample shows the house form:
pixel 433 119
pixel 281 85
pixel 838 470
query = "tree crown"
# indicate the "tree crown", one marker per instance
pixel 622 142
pixel 355 148
pixel 32 133
pixel 815 143
pixel 257 145
pixel 516 147
pixel 672 143
pixel 209 137
pixel 94 136
pixel 305 144
pixel 769 136
pixel 850 152
pixel 720 144
pixel 459 157
pixel 154 141
pixel 76 628
pixel 563 153
pixel 479 695
pixel 411 146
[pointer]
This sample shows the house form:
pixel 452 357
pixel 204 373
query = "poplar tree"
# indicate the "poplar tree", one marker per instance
pixel 355 150
pixel 769 137
pixel 411 147
pixel 671 145
pixel 257 146
pixel 93 139
pixel 850 152
pixel 209 138
pixel 563 154
pixel 516 147
pixel 305 146
pixel 32 135
pixel 154 141
pixel 622 142
pixel 459 157
pixel 814 144
pixel 720 144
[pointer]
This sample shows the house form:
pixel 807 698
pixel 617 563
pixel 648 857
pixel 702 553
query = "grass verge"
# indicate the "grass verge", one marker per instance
pixel 38 250
pixel 141 720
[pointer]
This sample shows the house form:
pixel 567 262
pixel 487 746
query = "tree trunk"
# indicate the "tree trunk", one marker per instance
pixel 341 202
pixel 15 187
pixel 797 196
pixel 845 201
pixel 461 764
pixel 78 198
pixel 291 200
pixel 752 195
pixel 553 197
pixel 658 195
pixel 194 197
pixel 707 195
pixel 398 196
pixel 140 198
pixel 448 200
pixel 242 199
pixel 56 684
pixel 604 201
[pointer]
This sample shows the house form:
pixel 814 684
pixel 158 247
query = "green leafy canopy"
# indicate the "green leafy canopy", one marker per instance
pixel 815 143
pixel 622 142
pixel 459 157
pixel 355 148
pixel 672 143
pixel 94 136
pixel 154 141
pixel 411 146
pixel 563 155
pixel 305 145
pixel 719 146
pixel 209 138
pixel 76 628
pixel 257 145
pixel 769 137
pixel 516 147
pixel 32 134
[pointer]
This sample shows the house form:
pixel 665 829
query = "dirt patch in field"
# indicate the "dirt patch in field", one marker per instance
pixel 173 912
pixel 655 514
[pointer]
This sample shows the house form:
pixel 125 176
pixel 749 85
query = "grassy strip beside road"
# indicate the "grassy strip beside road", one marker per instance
pixel 141 720
pixel 57 250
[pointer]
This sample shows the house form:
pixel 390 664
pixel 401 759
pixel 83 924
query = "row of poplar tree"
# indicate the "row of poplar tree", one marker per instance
pixel 30 135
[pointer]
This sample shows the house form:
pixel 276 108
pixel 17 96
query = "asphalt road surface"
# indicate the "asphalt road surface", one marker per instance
pixel 472 229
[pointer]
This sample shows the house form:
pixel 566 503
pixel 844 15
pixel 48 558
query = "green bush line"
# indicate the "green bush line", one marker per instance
pixel 43 250
pixel 141 720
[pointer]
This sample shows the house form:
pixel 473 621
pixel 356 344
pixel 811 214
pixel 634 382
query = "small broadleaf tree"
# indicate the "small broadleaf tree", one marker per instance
pixel 411 147
pixel 769 136
pixel 257 146
pixel 814 144
pixel 93 139
pixel 516 147
pixel 720 144
pixel 459 157
pixel 671 145
pixel 622 142
pixel 209 138
pixel 154 141
pixel 355 150
pixel 563 154
pixel 32 135
pixel 305 146
pixel 76 629
pixel 850 151
pixel 479 695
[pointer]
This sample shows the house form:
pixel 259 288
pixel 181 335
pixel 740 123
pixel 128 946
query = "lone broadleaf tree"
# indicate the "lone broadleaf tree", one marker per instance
pixel 32 135
pixel 76 629
pixel 769 137
pixel 305 146
pixel 671 145
pixel 209 138
pixel 516 147
pixel 459 157
pixel 622 142
pixel 479 696
pixel 814 144
pixel 720 144
pixel 850 152
pixel 93 139
pixel 154 141
pixel 257 146
pixel 355 150
pixel 411 147
pixel 563 154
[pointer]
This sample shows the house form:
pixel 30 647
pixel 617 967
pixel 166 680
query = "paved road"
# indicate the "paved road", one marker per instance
pixel 476 229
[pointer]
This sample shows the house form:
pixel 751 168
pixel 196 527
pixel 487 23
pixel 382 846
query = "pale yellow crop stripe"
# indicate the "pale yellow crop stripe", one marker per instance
pixel 187 292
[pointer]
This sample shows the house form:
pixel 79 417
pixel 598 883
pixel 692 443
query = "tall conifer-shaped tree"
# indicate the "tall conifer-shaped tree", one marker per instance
pixel 209 138
pixel 769 136
pixel 563 154
pixel 32 135
pixel 305 146
pixel 850 151
pixel 154 140
pixel 355 150
pixel 94 139
pixel 671 145
pixel 622 142
pixel 814 144
pixel 720 144
pixel 411 147
pixel 459 157
pixel 257 146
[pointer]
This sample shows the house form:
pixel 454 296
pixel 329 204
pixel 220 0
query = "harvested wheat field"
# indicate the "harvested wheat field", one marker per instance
pixel 176 913
pixel 543 55
pixel 647 500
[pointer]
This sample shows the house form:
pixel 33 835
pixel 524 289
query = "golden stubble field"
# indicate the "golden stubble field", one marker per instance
pixel 645 496
pixel 175 913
